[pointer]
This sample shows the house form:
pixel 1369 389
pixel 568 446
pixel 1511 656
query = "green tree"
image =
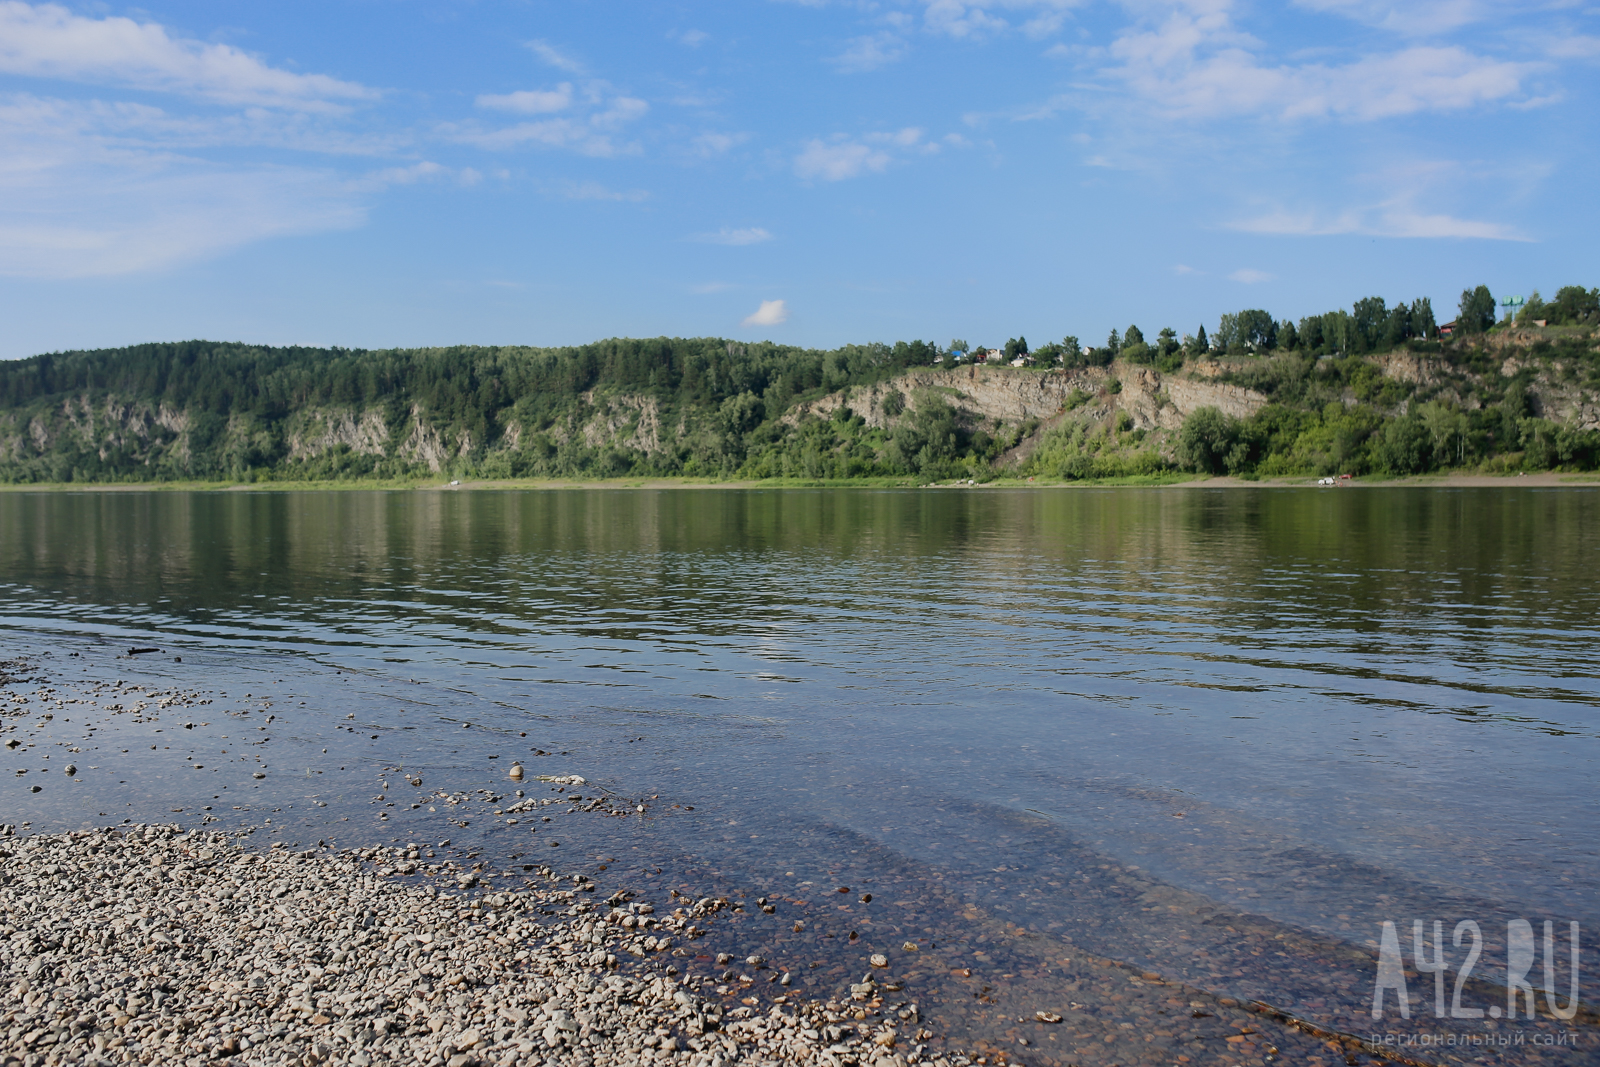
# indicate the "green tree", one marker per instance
pixel 1114 343
pixel 1209 441
pixel 1288 336
pixel 1368 317
pixel 1255 329
pixel 1575 306
pixel 1422 324
pixel 1477 310
pixel 958 345
pixel 1134 336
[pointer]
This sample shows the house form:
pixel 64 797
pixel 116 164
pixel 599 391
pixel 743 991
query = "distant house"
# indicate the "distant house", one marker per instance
pixel 1447 330
pixel 938 359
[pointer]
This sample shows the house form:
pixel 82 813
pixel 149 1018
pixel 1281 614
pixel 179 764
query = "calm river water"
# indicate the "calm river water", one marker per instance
pixel 1220 736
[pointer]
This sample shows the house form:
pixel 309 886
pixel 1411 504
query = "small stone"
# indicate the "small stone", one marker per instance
pixel 909 946
pixel 71 770
pixel 1047 1016
pixel 258 774
pixel 879 960
pixel 516 771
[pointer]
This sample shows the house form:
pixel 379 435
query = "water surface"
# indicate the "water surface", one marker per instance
pixel 1162 727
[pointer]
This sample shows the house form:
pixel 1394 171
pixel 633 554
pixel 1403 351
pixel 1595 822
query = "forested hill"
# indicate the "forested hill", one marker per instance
pixel 1372 389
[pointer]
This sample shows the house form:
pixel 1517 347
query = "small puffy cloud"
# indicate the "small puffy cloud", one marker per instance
pixel 530 101
pixel 770 313
pixel 1183 268
pixel 838 160
pixel 49 41
pixel 871 52
pixel 692 38
pixel 752 235
pixel 554 56
pixel 846 157
pixel 1249 276
pixel 715 144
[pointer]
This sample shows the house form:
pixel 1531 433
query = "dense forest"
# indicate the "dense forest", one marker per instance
pixel 1372 389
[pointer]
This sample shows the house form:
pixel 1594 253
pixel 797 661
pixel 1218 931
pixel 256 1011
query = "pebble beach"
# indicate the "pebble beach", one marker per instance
pixel 155 944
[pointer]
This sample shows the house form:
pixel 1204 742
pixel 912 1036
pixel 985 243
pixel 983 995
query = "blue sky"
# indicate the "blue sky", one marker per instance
pixel 388 172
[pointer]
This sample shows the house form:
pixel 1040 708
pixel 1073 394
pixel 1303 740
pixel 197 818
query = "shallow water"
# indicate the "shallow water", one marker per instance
pixel 1218 736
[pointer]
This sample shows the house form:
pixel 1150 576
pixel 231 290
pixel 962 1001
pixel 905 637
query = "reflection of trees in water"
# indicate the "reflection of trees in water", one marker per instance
pixel 1367 579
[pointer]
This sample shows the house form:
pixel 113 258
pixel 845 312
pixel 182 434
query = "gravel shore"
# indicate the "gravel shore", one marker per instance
pixel 155 944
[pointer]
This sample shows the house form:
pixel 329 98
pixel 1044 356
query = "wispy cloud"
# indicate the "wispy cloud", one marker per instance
pixel 1415 18
pixel 770 313
pixel 752 235
pixel 871 52
pixel 838 160
pixel 715 144
pixel 692 38
pixel 846 157
pixel 599 117
pixel 1387 220
pixel 1197 64
pixel 49 41
pixel 530 101
pixel 74 205
pixel 596 191
pixel 554 56
pixel 1250 276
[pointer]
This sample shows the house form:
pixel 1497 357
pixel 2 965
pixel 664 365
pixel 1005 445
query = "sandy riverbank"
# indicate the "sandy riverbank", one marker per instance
pixel 152 944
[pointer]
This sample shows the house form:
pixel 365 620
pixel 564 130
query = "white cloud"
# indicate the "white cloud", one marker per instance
pixel 1386 220
pixel 1198 65
pixel 871 52
pixel 48 41
pixel 591 132
pixel 596 191
pixel 692 38
pixel 530 101
pixel 709 288
pixel 839 160
pixel 1249 276
pixel 554 56
pixel 844 157
pixel 770 313
pixel 964 18
pixel 752 235
pixel 1414 18
pixel 1183 269
pixel 715 144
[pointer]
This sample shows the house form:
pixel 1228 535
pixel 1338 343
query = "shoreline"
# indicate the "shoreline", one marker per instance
pixel 1461 480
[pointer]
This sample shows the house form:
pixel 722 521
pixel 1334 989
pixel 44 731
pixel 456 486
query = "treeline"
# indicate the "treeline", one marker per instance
pixel 708 407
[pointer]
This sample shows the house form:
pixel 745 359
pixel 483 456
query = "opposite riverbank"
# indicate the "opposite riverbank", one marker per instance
pixel 1460 480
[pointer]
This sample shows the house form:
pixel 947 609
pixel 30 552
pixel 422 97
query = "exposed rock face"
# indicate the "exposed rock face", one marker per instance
pixel 624 421
pixel 314 432
pixel 983 394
